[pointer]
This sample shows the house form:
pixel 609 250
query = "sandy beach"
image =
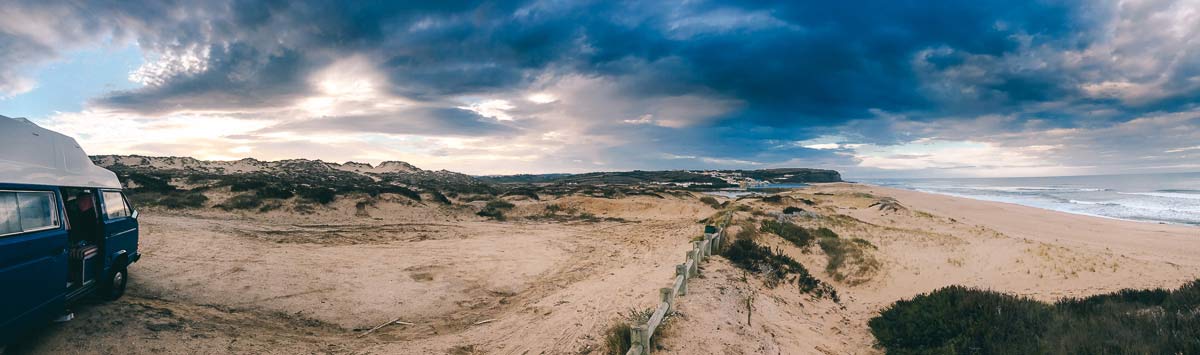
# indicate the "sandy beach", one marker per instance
pixel 221 282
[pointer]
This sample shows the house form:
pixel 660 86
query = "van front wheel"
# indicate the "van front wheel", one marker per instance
pixel 115 287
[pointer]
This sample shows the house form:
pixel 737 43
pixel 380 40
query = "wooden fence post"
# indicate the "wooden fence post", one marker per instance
pixel 635 338
pixel 692 257
pixel 644 336
pixel 666 296
pixel 682 271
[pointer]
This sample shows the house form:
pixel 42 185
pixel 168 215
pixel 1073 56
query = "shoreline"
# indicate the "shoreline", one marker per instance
pixel 976 198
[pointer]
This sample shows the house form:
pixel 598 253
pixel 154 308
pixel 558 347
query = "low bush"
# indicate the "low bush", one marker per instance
pixel 788 231
pixel 439 197
pixel 961 320
pixel 849 260
pixel 499 204
pixel 495 209
pixel 824 233
pixel 241 202
pixel 616 337
pixel 773 199
pixel 777 267
pixel 792 209
pixel 270 206
pixel 711 201
pixel 182 200
pixel 274 192
pixel 317 194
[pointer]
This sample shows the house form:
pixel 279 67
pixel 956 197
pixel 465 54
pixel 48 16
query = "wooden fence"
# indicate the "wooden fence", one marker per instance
pixel 640 334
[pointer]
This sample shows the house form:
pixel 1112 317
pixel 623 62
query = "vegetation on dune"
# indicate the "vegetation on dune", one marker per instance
pixel 616 337
pixel 775 266
pixel 849 260
pixel 439 197
pixel 558 213
pixel 790 232
pixel 961 320
pixel 792 209
pixel 241 202
pixel 311 181
pixel 495 209
pixel 173 200
pixel 711 201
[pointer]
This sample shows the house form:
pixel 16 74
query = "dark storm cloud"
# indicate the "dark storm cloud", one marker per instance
pixel 879 72
pixel 792 62
pixel 416 121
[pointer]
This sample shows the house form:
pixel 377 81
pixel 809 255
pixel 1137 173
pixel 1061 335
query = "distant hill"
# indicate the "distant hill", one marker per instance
pixel 790 175
pixel 698 178
pixel 158 179
pixel 184 181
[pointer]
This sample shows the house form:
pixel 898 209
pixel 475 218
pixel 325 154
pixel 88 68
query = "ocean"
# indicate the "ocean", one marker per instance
pixel 1157 198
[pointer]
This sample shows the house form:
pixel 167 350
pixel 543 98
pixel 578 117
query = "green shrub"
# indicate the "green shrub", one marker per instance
pixel 824 233
pixel 712 202
pixel 241 202
pixel 317 194
pixel 495 209
pixel 960 320
pixel 439 197
pixel 616 337
pixel 792 209
pixel 274 192
pixel 392 189
pixel 788 231
pixel 776 267
pixel 182 200
pixel 773 199
pixel 270 206
pixel 499 205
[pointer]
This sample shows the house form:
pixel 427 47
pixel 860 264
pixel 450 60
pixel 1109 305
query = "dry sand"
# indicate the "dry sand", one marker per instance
pixel 215 282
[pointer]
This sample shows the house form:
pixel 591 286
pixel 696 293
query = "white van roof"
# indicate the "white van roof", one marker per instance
pixel 33 155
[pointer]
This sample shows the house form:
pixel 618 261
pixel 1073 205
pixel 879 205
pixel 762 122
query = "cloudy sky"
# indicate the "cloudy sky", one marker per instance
pixel 873 89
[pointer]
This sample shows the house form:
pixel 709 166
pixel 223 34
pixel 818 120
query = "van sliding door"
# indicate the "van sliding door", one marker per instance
pixel 33 260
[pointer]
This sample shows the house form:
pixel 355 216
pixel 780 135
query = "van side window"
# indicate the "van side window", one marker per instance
pixel 10 220
pixel 114 205
pixel 30 211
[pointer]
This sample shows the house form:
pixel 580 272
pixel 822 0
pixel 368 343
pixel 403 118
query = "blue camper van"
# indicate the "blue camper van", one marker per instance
pixel 67 232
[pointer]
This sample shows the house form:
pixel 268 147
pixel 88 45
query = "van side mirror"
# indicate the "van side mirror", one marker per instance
pixel 135 214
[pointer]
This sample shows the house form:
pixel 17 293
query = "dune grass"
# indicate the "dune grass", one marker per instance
pixel 776 267
pixel 616 337
pixel 790 232
pixel 849 260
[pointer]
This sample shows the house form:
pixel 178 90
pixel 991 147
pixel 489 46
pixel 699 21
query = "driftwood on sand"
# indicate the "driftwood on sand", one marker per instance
pixel 888 204
pixel 394 321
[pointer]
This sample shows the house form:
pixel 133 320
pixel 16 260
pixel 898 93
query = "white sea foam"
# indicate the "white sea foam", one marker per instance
pixel 1151 198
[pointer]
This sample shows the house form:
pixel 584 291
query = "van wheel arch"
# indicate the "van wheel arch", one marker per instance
pixel 114 285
